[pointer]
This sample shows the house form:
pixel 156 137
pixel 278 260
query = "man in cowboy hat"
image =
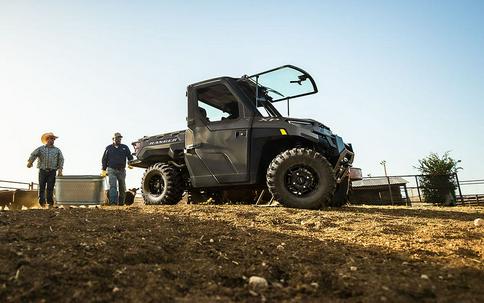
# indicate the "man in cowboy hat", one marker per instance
pixel 114 160
pixel 50 160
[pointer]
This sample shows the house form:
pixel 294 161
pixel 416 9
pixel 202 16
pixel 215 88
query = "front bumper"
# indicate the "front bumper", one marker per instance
pixel 137 163
pixel 343 166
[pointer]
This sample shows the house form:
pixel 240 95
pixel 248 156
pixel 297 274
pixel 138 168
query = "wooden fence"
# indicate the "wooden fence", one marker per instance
pixel 472 200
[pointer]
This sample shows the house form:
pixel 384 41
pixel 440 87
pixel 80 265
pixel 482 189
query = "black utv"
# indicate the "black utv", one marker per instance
pixel 238 145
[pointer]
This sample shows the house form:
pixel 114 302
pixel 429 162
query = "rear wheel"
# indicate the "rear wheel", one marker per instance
pixel 162 184
pixel 301 178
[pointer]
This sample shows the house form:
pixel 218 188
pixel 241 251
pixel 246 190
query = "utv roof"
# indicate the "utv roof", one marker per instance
pixel 212 80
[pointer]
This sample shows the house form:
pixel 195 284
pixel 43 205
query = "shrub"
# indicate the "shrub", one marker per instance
pixel 438 180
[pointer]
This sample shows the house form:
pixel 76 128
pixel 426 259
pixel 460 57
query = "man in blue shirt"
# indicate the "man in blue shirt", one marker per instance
pixel 114 161
pixel 50 161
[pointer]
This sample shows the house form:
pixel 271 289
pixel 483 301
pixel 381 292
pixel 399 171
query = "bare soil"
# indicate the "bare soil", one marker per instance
pixel 207 253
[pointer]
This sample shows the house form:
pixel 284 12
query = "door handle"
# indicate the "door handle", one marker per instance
pixel 240 133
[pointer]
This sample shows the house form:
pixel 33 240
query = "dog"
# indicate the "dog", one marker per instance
pixel 6 198
pixel 16 199
pixel 27 198
pixel 130 194
pixel 129 197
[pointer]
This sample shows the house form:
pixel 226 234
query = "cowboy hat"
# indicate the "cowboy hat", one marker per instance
pixel 46 136
pixel 116 135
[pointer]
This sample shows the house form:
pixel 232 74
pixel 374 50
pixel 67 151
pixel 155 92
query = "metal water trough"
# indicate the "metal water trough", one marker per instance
pixel 79 190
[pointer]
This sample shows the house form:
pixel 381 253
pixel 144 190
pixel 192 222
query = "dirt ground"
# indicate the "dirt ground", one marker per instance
pixel 207 253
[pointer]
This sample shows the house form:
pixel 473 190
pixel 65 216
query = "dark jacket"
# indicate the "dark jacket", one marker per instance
pixel 115 157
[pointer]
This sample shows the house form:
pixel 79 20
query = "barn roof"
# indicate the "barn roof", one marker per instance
pixel 378 181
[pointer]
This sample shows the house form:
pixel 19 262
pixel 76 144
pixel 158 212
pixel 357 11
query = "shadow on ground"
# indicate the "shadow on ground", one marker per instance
pixel 450 213
pixel 126 255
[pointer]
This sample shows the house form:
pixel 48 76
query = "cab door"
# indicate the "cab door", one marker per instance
pixel 218 135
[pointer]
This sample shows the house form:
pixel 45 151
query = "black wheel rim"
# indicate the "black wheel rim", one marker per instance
pixel 156 185
pixel 301 180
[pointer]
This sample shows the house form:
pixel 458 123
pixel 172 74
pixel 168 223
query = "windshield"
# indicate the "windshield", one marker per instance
pixel 284 83
pixel 264 106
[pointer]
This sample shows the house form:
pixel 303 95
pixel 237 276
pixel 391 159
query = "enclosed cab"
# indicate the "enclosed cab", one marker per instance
pixel 238 142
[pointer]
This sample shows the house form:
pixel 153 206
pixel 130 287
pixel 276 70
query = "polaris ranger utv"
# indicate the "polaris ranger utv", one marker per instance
pixel 238 144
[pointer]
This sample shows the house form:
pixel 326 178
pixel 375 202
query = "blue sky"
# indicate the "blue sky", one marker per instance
pixel 397 79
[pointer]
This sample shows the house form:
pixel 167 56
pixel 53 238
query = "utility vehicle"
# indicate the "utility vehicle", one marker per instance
pixel 238 146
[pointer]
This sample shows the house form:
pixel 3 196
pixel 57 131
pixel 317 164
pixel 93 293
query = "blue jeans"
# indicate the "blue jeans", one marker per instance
pixel 117 176
pixel 46 179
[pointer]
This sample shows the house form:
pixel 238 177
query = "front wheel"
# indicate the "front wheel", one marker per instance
pixel 162 184
pixel 301 178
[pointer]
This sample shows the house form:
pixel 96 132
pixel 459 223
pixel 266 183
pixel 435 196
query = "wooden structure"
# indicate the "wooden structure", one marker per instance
pixel 380 191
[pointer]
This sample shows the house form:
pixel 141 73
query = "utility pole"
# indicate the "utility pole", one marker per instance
pixel 384 163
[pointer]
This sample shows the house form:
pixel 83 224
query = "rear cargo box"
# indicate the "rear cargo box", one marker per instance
pixel 79 190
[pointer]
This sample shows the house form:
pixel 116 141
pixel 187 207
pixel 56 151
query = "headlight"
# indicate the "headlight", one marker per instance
pixel 325 131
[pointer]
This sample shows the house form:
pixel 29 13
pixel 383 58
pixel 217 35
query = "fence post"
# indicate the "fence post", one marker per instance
pixel 458 186
pixel 408 202
pixel 418 189
pixel 477 200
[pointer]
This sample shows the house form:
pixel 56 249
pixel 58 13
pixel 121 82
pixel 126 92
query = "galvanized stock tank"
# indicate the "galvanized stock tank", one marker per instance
pixel 79 190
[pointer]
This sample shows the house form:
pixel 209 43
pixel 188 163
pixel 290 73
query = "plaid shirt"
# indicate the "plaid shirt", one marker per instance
pixel 49 157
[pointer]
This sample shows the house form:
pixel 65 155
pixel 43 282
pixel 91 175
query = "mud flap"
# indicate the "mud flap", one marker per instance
pixel 341 195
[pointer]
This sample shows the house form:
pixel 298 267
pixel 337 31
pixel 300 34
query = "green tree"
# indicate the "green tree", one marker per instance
pixel 438 178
